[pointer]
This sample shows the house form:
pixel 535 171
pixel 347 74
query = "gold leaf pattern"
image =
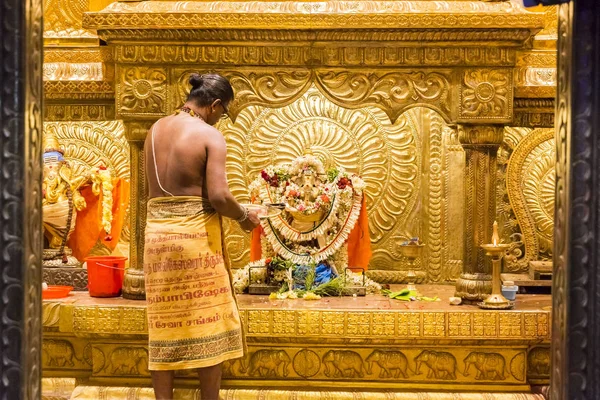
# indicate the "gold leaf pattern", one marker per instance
pixel 362 141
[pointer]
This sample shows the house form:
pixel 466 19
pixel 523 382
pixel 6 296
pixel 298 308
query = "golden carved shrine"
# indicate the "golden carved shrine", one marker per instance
pixel 444 108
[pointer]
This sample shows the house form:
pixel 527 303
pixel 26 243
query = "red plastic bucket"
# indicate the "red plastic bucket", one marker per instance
pixel 105 275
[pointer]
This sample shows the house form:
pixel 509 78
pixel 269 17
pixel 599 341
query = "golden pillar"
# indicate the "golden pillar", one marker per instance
pixel 480 143
pixel 133 284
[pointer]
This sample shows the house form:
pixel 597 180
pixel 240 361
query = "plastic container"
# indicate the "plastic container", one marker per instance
pixel 105 275
pixel 56 292
pixel 509 290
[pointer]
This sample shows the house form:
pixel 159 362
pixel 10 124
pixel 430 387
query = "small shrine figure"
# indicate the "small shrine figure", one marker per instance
pixel 323 229
pixel 64 194
pixel 61 198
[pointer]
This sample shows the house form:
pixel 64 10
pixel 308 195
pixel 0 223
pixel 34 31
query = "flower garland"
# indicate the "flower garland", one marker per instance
pixel 339 238
pixel 102 182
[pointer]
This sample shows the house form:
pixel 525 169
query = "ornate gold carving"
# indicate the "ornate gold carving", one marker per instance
pixel 145 393
pixel 393 92
pixel 537 76
pixel 434 243
pixel 537 58
pixel 57 388
pixel 125 361
pixel 78 90
pixel 489 366
pixel 530 188
pixel 269 363
pixel 63 19
pixel 58 353
pixel 562 240
pixel 372 148
pixel 481 143
pixel 373 324
pixel 91 144
pixel 538 362
pixel 133 283
pixel 80 112
pixel 300 55
pixel 486 94
pixel 477 55
pixel 534 119
pixel 51 315
pixel 285 15
pixel 62 71
pixel 535 91
pixel 440 365
pixel 78 55
pixel 142 91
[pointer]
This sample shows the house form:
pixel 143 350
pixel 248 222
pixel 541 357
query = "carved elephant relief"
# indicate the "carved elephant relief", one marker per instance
pixel 58 353
pixel 489 366
pixel 538 361
pixel 392 363
pixel 442 365
pixel 344 364
pixel 265 363
pixel 235 367
pixel 128 361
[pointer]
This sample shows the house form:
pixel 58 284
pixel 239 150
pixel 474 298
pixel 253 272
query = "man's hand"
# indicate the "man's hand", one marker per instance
pixel 251 222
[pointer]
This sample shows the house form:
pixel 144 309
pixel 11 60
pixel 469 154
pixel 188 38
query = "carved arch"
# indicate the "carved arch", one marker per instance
pixel 530 187
pixel 394 92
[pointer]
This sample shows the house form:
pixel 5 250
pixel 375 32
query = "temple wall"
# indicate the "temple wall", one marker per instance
pixel 411 158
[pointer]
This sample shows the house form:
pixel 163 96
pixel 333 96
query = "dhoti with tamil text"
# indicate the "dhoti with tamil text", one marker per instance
pixel 193 319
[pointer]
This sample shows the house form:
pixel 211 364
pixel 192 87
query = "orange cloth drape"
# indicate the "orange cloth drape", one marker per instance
pixel 88 227
pixel 255 247
pixel 359 242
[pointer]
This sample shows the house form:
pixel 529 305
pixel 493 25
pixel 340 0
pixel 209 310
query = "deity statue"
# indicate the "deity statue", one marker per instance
pixel 62 200
pixel 320 232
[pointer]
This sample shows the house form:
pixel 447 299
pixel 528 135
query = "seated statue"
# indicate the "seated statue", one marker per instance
pixel 62 199
pixel 321 231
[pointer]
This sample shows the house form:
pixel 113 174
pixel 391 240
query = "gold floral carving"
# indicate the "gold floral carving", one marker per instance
pixel 394 91
pixel 486 94
pixel 530 181
pixel 276 88
pixel 91 144
pixel 363 141
pixel 142 91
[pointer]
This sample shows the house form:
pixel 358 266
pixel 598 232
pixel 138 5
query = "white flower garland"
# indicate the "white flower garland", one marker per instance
pixel 338 240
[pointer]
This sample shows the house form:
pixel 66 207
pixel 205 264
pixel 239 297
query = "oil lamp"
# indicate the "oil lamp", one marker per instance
pixel 495 250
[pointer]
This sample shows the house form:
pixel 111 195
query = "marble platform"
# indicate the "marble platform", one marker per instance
pixel 344 345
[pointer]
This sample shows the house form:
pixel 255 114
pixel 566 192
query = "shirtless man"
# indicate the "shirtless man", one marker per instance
pixel 185 156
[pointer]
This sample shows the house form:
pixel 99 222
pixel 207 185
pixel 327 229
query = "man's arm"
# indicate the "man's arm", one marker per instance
pixel 219 195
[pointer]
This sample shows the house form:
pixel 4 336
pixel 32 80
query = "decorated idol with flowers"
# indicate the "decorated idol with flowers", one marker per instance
pixel 322 231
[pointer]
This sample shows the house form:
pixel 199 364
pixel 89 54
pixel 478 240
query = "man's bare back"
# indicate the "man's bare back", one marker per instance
pixel 180 145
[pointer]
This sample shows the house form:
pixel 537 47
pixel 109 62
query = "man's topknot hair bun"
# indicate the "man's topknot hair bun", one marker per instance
pixel 196 80
pixel 209 87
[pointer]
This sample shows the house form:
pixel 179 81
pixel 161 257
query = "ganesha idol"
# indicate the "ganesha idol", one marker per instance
pixel 65 202
pixel 323 223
